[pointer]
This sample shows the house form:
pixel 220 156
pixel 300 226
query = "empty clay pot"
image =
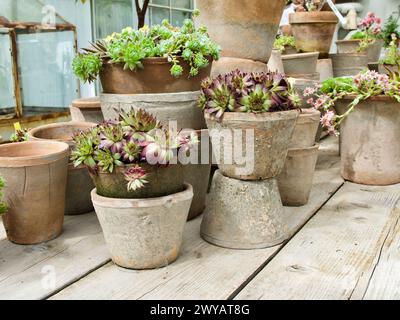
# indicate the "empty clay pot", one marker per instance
pixel 226 64
pixel 300 63
pixel 36 174
pixel 79 183
pixel 348 64
pixel 313 31
pixel 296 179
pixel 154 77
pixel 243 29
pixel 181 107
pixel 86 110
pixel 305 129
pixel 370 152
pixel 373 51
pixel 144 233
pixel 243 214
pixel 253 146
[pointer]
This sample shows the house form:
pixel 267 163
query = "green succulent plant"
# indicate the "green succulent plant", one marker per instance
pixel 87 66
pixel 256 101
pixel 3 205
pixel 283 41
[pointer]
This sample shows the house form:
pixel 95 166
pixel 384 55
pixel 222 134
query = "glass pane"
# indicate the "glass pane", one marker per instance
pixel 161 2
pixel 112 16
pixel 182 4
pixel 45 69
pixel 157 15
pixel 178 17
pixel 6 77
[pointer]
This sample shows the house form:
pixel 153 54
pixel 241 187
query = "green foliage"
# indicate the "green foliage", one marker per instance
pixel 338 85
pixel 392 54
pixel 131 46
pixel 284 41
pixel 391 27
pixel 3 205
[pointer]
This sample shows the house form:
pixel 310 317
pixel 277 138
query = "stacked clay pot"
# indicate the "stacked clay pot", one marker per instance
pixel 296 179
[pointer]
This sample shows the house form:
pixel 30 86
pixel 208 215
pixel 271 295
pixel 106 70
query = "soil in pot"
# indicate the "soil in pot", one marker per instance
pixel 243 29
pixel 305 129
pixel 36 174
pixel 162 180
pixel 313 31
pixel 259 153
pixel 144 233
pixel 370 152
pixel 154 77
pixel 86 110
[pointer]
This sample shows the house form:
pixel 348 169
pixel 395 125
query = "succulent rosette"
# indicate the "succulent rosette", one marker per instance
pixel 136 137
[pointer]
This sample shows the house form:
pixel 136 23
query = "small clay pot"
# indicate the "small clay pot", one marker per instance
pixel 300 63
pixel 254 146
pixel 305 129
pixel 86 110
pixel 373 51
pixel 35 173
pixel 154 77
pixel 144 233
pixel 325 69
pixel 296 179
pixel 348 64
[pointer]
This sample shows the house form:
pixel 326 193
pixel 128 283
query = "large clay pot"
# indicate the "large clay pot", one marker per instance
pixel 243 29
pixel 348 64
pixel 86 110
pixel 36 174
pixel 296 179
pixel 154 77
pixel 162 180
pixel 144 233
pixel 300 63
pixel 373 51
pixel 259 140
pixel 225 65
pixel 370 149
pixel 305 129
pixel 313 31
pixel 79 183
pixel 180 107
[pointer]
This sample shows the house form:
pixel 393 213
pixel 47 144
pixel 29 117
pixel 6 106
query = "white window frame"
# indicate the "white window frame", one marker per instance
pixel 168 7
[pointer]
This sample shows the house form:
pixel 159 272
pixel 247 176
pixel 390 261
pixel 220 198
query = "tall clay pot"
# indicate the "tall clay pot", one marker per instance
pixel 313 31
pixel 36 174
pixel 144 233
pixel 370 152
pixel 243 29
pixel 262 139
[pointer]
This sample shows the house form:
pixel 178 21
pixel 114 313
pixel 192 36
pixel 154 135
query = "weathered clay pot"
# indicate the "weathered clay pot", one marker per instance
pixel 36 174
pixel 243 29
pixel 370 152
pixel 86 110
pixel 275 63
pixel 325 69
pixel 258 142
pixel 300 63
pixel 373 51
pixel 296 179
pixel 79 183
pixel 348 64
pixel 154 77
pixel 313 31
pixel 144 233
pixel 243 214
pixel 226 65
pixel 305 129
pixel 180 107
pixel 387 69
pixel 162 180
pixel 198 174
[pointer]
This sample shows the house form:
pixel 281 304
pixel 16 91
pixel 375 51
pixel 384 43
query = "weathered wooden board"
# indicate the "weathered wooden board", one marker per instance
pixel 335 254
pixel 37 271
pixel 203 271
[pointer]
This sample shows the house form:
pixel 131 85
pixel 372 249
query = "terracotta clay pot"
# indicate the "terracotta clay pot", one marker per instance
pixel 300 63
pixel 370 152
pixel 162 180
pixel 250 146
pixel 296 179
pixel 243 29
pixel 373 51
pixel 36 174
pixel 243 214
pixel 225 65
pixel 305 129
pixel 348 64
pixel 79 183
pixel 86 110
pixel 387 69
pixel 181 107
pixel 144 233
pixel 154 77
pixel 325 69
pixel 313 31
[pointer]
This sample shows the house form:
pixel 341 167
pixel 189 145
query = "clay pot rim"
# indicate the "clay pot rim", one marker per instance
pixel 116 203
pixel 252 117
pixel 315 147
pixel 374 98
pixel 151 60
pixel 125 166
pixel 62 150
pixel 87 103
pixel 313 17
pixel 173 96
pixel 300 55
pixel 350 54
